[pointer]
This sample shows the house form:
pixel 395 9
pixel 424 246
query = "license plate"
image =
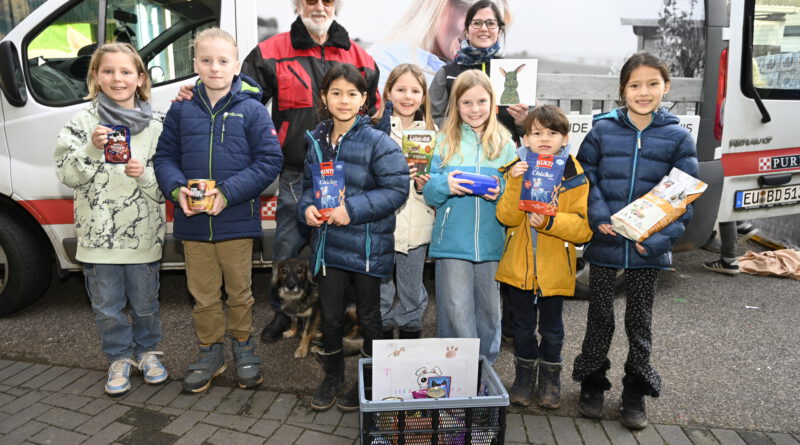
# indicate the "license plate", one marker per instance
pixel 768 197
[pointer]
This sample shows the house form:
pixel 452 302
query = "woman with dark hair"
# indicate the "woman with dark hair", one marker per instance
pixel 483 25
pixel 429 35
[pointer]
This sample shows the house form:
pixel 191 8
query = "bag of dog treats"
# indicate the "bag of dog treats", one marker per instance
pixel 418 148
pixel 118 148
pixel 540 183
pixel 328 181
pixel 662 205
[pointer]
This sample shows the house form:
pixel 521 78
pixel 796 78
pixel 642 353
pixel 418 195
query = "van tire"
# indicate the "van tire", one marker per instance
pixel 25 266
pixel 582 280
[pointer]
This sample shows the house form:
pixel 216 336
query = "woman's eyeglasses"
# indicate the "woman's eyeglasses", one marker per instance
pixel 324 2
pixel 478 23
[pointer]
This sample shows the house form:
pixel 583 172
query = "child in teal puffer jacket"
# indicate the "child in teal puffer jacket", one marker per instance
pixel 467 239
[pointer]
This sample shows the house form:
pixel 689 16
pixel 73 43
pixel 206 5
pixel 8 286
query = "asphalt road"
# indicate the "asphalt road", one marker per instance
pixel 726 347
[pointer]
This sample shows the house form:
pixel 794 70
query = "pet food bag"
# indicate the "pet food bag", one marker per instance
pixel 540 183
pixel 328 181
pixel 662 205
pixel 418 148
pixel 118 148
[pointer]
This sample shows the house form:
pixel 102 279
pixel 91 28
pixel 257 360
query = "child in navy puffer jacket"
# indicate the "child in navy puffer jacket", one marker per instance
pixel 626 153
pixel 224 134
pixel 354 242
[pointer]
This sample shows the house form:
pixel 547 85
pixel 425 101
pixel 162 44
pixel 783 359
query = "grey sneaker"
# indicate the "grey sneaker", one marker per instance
pixel 200 374
pixel 248 366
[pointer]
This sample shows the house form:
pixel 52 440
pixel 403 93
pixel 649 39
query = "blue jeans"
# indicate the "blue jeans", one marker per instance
pixel 290 233
pixel 524 308
pixel 468 303
pixel 111 288
pixel 412 298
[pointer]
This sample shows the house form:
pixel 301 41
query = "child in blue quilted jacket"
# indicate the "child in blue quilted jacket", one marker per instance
pixel 626 153
pixel 224 134
pixel 352 240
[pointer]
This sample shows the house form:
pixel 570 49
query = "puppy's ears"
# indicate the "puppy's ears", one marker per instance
pixel 309 272
pixel 421 371
pixel 276 265
pixel 436 371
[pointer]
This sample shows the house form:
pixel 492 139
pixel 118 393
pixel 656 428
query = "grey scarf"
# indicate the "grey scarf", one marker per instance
pixel 112 114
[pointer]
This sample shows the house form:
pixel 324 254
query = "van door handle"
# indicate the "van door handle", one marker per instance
pixel 773 180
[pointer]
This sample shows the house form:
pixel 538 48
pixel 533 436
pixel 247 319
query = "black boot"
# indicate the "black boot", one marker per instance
pixel 592 392
pixel 274 330
pixel 634 414
pixel 331 386
pixel 524 382
pixel 350 401
pixel 549 385
pixel 410 335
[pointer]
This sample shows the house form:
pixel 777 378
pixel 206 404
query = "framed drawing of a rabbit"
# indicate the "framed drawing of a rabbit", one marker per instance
pixel 514 80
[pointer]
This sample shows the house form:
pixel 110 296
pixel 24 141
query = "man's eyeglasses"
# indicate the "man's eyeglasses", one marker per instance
pixel 324 2
pixel 478 23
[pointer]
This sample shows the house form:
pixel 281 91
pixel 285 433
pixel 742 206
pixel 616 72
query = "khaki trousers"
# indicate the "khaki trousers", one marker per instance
pixel 208 264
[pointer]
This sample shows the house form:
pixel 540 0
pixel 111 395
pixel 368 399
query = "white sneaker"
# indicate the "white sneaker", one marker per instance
pixel 154 372
pixel 119 377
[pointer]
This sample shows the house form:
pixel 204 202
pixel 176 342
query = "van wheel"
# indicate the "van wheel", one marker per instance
pixel 582 280
pixel 25 268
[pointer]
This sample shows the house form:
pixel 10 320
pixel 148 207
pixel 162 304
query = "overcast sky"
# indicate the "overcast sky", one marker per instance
pixel 563 29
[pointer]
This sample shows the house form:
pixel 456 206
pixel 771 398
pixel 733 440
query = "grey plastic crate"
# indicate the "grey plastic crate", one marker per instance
pixel 446 421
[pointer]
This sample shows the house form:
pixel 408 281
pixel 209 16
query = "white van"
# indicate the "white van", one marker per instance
pixel 747 102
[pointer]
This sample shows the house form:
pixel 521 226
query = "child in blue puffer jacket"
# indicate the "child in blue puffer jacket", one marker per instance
pixel 224 134
pixel 353 242
pixel 625 155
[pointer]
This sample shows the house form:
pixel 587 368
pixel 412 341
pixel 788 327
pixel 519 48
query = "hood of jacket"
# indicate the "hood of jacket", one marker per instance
pixel 318 137
pixel 522 151
pixel 661 117
pixel 242 88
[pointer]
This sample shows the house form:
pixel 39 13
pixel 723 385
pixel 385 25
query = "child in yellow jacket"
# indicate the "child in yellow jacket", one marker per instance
pixel 538 262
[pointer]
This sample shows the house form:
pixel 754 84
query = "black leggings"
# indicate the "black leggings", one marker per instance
pixel 367 295
pixel 640 286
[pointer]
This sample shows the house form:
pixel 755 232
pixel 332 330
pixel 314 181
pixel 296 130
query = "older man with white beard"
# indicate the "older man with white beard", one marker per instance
pixel 290 67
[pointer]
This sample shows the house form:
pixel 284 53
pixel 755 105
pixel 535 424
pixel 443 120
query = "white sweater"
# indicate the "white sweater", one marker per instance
pixel 118 219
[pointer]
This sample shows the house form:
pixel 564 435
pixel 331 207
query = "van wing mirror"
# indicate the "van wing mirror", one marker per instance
pixel 12 81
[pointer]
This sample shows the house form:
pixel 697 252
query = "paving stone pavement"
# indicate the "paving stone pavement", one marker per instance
pixel 41 404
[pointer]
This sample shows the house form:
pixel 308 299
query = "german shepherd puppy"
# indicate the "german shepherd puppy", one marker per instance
pixel 299 296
